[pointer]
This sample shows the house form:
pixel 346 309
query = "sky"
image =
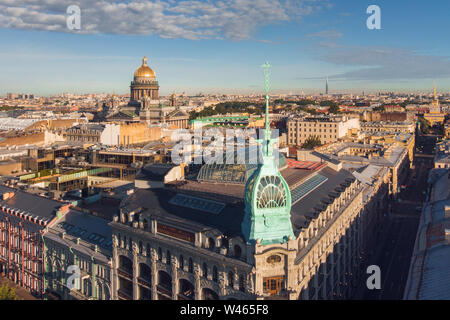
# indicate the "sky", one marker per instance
pixel 218 46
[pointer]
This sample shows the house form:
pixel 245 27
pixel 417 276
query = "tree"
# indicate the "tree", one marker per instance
pixel 334 109
pixel 311 142
pixel 424 125
pixel 8 293
pixel 379 109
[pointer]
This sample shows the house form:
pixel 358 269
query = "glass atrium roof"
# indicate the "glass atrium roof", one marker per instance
pixel 234 173
pixel 191 202
pixel 306 187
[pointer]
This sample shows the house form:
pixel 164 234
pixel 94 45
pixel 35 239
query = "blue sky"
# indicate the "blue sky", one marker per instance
pixel 218 46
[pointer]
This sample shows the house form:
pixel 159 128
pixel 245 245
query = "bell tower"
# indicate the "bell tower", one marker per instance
pixel 267 217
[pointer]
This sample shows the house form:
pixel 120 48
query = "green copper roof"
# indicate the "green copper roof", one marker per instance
pixel 267 218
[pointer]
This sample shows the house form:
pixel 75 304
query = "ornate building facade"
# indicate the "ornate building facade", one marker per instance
pixel 280 233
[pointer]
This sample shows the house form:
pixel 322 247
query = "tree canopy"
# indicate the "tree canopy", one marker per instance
pixel 334 109
pixel 228 107
pixel 311 142
pixel 8 293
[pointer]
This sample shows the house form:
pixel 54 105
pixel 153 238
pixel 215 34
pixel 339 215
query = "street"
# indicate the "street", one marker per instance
pixel 399 228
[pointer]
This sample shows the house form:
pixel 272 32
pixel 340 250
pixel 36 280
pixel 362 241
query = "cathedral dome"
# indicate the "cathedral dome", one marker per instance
pixel 144 71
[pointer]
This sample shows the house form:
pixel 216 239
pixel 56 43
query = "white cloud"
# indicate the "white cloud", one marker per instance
pixel 190 19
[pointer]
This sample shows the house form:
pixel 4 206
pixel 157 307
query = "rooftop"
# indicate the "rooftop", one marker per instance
pixel 36 205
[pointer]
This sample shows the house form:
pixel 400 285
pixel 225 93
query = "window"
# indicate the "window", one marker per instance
pixel 191 266
pixel 148 250
pixel 237 251
pixel 242 283
pixel 159 254
pixel 181 262
pixel 141 249
pixel 211 243
pixel 215 274
pixel 205 270
pixel 274 259
pixel 168 257
pixel 230 279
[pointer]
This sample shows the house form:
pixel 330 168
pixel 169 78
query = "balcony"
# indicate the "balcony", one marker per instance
pixel 125 295
pixel 127 274
pixel 144 282
pixel 184 297
pixel 281 295
pixel 164 291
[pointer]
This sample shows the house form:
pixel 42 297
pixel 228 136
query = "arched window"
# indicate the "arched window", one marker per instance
pixel 181 262
pixel 130 244
pixel 230 279
pixel 211 243
pixel 159 254
pixel 274 259
pixel 148 253
pixel 145 225
pixel 191 266
pixel 168 257
pixel 237 251
pixel 215 274
pixel 141 249
pixel 119 240
pixel 205 270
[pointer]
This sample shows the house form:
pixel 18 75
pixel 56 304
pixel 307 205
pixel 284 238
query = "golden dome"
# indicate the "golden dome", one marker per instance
pixel 144 71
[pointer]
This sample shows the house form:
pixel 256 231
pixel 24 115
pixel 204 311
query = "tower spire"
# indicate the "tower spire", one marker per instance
pixel 266 66
pixel 267 217
pixel 434 90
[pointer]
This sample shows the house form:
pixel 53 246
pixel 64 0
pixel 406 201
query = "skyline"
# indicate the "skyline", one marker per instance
pixel 217 47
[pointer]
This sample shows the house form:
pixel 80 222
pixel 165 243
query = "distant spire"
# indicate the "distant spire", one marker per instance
pixel 144 61
pixel 434 90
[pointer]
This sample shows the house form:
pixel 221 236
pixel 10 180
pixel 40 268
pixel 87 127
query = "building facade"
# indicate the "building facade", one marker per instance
pixel 327 129
pixel 78 244
pixel 280 233
pixel 23 219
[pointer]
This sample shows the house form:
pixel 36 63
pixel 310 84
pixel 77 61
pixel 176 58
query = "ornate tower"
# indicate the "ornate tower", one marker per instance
pixel 267 216
pixel 144 83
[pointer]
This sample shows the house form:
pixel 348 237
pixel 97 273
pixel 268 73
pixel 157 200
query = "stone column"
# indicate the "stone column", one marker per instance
pixel 113 272
pixel 174 264
pixel 325 279
pixel 222 283
pixel 153 258
pixel 198 289
pixel 134 251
